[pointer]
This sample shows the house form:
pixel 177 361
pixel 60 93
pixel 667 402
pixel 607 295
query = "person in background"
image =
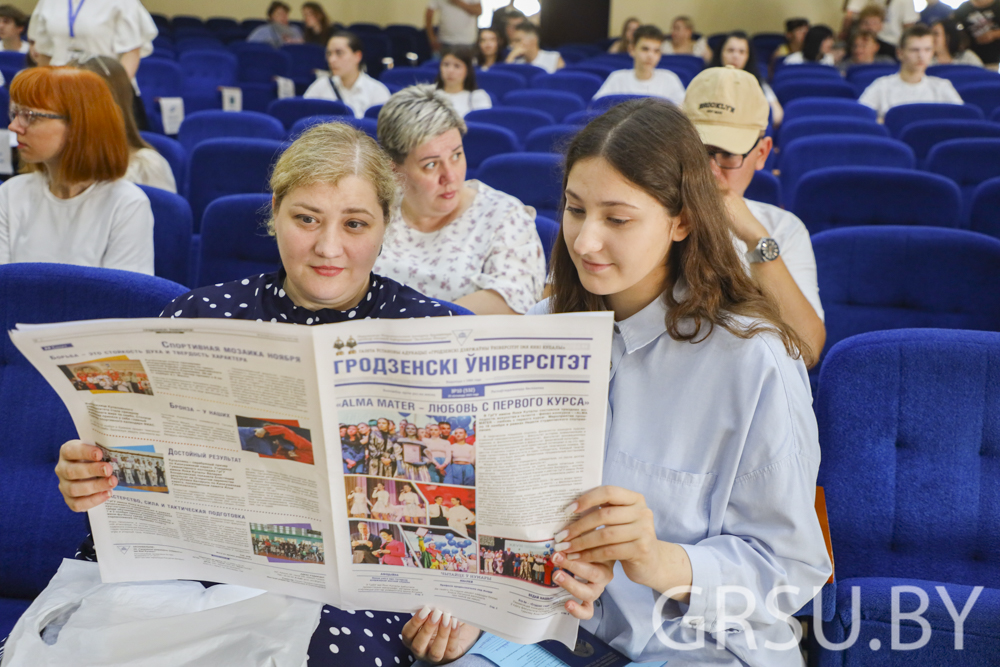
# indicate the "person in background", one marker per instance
pixel 460 241
pixel 13 22
pixel 456 23
pixel 498 22
pixel 951 45
pixel 317 24
pixel 71 205
pixel 734 138
pixel 645 78
pixel 795 35
pixel 624 43
pixel 911 84
pixel 145 165
pixel 817 48
pixel 457 79
pixel 863 49
pixel 981 22
pixel 488 48
pixel 277 31
pixel 682 40
pixel 349 83
pixel 897 15
pixel 524 49
pixel 510 24
pixel 739 53
pixel 934 11
pixel 872 19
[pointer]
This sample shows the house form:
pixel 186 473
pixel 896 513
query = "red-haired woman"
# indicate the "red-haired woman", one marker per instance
pixel 71 204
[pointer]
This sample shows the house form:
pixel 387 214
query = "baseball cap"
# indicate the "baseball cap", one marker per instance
pixel 728 108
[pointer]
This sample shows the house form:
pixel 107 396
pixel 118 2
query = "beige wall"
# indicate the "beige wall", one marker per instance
pixel 382 12
pixel 711 16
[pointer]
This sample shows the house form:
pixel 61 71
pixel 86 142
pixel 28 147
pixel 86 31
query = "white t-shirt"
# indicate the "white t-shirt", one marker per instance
pixel 455 25
pixel 663 83
pixel 796 248
pixel 367 92
pixel 470 100
pixel 547 60
pixel 102 27
pixel 967 57
pixel 897 14
pixel 147 167
pixel 109 225
pixel 699 49
pixel 493 245
pixel 889 91
pixel 797 59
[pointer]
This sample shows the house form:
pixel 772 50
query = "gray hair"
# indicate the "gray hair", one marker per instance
pixel 414 115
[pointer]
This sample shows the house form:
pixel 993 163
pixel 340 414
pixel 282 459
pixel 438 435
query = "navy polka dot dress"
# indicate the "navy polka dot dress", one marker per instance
pixel 343 637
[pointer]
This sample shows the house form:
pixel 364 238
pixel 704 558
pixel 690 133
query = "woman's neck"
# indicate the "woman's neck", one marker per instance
pixel 348 79
pixel 65 190
pixel 681 44
pixel 12 43
pixel 452 88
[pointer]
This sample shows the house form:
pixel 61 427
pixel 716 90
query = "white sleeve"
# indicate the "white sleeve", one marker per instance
pixel 320 89
pixel 481 100
pixel 5 250
pixel 872 97
pixel 134 29
pixel 797 254
pixel 609 87
pixel 675 92
pixel 855 6
pixel 130 242
pixel 515 265
pixel 381 94
pixel 38 31
pixel 950 94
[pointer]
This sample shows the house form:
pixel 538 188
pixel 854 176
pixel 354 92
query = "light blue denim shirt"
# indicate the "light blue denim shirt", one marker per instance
pixel 720 438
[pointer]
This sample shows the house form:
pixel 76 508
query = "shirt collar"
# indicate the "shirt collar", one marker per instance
pixel 644 327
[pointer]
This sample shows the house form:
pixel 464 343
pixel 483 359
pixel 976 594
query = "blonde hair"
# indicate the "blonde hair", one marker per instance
pixel 328 152
pixel 415 115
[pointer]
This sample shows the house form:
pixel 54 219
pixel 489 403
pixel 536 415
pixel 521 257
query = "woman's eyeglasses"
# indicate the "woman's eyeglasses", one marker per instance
pixel 28 116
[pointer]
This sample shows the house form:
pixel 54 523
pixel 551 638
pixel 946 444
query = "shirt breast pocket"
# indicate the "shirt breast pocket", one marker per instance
pixel 681 501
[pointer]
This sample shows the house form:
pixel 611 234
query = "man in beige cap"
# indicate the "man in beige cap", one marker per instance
pixel 729 110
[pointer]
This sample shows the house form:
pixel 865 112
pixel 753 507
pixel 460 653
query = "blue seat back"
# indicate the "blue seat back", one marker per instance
pixel 825 106
pixel 899 117
pixel 484 140
pixel 922 135
pixel 793 90
pixel 582 84
pixel 528 72
pixel 519 121
pixel 204 125
pixel 534 178
pixel 258 96
pixel 500 82
pixel 208 69
pixel 234 239
pixel 12 59
pixel 551 139
pixel 305 59
pixel 806 72
pixel 764 187
pixel 262 66
pixel 967 162
pixel 160 78
pixel 985 95
pixel 173 153
pixel 556 103
pixel 983 216
pixel 408 76
pixel 605 102
pixel 172 229
pixel 372 112
pixel 221 167
pixel 292 109
pixel 859 196
pixel 182 46
pixel 548 230
pixel 815 125
pixel 35 422
pixel 582 117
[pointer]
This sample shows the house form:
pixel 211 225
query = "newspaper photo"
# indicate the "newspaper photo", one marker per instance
pixel 379 464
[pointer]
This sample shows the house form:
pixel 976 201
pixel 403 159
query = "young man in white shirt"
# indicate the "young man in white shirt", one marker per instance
pixel 911 84
pixel 457 25
pixel 348 84
pixel 729 110
pixel 524 49
pixel 12 25
pixel 645 78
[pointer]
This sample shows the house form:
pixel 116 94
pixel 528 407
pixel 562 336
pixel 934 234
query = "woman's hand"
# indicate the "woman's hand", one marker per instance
pixel 438 638
pixel 85 481
pixel 597 576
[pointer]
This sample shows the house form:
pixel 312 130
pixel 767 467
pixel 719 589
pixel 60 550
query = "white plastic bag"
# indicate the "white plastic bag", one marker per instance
pixel 158 624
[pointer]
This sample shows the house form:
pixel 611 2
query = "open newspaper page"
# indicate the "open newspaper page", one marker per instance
pixel 213 428
pixel 463 442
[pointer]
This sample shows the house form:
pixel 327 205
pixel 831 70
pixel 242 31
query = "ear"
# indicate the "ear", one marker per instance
pixel 681 228
pixel 763 151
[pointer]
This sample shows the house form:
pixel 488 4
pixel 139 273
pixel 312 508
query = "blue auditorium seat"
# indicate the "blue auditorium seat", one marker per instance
pixel 827 106
pixel 605 102
pixel 985 94
pixel 292 109
pixel 484 140
pixel 556 103
pixel 548 230
pixel 985 214
pixel 534 178
pixel 859 196
pixel 13 59
pixel 551 139
pixel 839 150
pixel 204 72
pixel 963 75
pixel 173 153
pixel 258 96
pixel 900 116
pixel 807 72
pixel 764 187
pixel 179 22
pixel 582 84
pixel 498 83
pixel 967 162
pixel 862 76
pixel 372 112
pixel 172 229
pixel 159 78
pixel 377 47
pixel 809 126
pixel 219 23
pixel 908 423
pixel 204 125
pixel 582 117
pixel 222 167
pixel 35 422
pixel 408 76
pixel 182 46
pixel 366 125
pixel 793 90
pixel 306 58
pixel 234 239
pixel 922 135
pixel 519 121
pixel 528 72
pixel 258 66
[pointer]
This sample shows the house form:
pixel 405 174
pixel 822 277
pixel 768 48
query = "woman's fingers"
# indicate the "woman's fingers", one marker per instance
pixel 595 573
pixel 604 495
pixel 608 535
pixel 427 637
pixel 439 645
pixel 606 516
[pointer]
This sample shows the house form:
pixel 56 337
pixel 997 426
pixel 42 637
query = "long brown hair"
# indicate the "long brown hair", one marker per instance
pixel 653 145
pixel 120 84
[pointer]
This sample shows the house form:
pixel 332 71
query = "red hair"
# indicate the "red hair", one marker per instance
pixel 96 147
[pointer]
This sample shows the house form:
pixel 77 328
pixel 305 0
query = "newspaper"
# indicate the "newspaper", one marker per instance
pixel 379 464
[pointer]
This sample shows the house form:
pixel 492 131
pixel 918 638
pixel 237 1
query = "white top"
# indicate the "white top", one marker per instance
pixel 798 59
pixel 470 100
pixel 547 60
pixel 23 48
pixel 367 92
pixel 967 57
pixel 769 93
pixel 663 83
pixel 889 91
pixel 455 25
pixel 898 13
pixel 796 248
pixel 721 440
pixel 275 34
pixel 493 245
pixel 463 453
pixel 102 27
pixel 147 167
pixel 700 48
pixel 109 225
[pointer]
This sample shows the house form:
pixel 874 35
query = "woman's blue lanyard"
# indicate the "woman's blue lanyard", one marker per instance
pixel 73 15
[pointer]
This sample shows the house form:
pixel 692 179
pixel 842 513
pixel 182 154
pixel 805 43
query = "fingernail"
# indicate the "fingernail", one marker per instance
pixel 562 546
pixel 436 617
pixel 561 535
pixel 114 482
pixel 558 558
pixel 572 556
pixel 572 508
pixel 558 578
pixel 454 624
pixel 423 612
pixel 107 470
pixel 446 621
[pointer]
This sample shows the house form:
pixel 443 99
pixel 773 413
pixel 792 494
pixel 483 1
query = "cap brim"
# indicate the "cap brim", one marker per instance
pixel 736 140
